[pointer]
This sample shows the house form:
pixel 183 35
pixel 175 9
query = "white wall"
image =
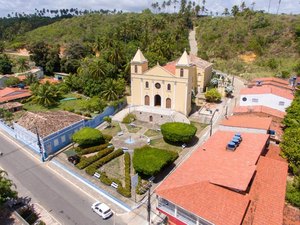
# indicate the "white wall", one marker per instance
pixel 268 100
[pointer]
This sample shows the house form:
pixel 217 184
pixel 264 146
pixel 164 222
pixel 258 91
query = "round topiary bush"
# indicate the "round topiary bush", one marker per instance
pixel 88 137
pixel 176 132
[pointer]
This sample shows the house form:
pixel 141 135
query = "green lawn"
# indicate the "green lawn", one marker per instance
pixel 132 129
pixel 114 168
pixel 161 144
pixel 113 130
pixel 200 126
pixel 152 133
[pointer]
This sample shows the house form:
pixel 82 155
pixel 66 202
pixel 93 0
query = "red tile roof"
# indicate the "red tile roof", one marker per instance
pixel 11 94
pixel 267 89
pixel 267 193
pixel 259 108
pixel 171 67
pixel 272 80
pixel 274 153
pixel 248 122
pixel 50 80
pixel 213 171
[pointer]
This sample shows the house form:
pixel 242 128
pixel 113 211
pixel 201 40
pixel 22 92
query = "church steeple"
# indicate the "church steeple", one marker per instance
pixel 184 60
pixel 139 64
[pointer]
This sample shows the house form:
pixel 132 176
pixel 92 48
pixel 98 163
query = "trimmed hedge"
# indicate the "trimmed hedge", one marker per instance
pixel 88 137
pixel 176 132
pixel 129 118
pixel 107 137
pixel 89 150
pixel 149 161
pixel 84 161
pixel 91 169
pixel 126 191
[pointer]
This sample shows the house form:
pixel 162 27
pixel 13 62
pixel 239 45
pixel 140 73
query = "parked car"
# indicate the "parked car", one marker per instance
pixel 102 210
pixel 74 159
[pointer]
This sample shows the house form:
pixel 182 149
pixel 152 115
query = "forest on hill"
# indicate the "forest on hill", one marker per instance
pixel 251 43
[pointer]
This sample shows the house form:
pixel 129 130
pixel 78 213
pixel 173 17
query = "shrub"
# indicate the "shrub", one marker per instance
pixel 176 132
pixel 105 179
pixel 149 161
pixel 129 118
pixel 84 161
pixel 107 137
pixel 213 95
pixel 88 137
pixel 93 168
pixel 91 149
pixel 139 188
pixel 293 192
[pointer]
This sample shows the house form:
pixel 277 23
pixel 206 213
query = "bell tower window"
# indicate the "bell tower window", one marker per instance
pixel 135 69
pixel 181 72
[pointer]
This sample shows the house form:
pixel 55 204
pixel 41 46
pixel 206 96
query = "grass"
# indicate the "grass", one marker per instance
pixel 161 144
pixel 113 130
pixel 70 152
pixel 114 168
pixel 200 126
pixel 152 133
pixel 132 129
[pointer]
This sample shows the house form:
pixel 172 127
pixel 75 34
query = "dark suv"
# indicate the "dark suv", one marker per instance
pixel 74 159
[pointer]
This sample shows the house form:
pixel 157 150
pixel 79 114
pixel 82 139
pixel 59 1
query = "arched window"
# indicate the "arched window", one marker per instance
pixel 168 103
pixel 169 87
pixel 181 72
pixel 147 100
pixel 135 69
pixel 147 84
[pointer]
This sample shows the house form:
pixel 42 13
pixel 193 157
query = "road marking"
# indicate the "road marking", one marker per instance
pixel 30 153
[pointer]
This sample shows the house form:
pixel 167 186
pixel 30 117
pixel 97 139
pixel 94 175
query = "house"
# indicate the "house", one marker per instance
pixel 263 111
pixel 271 81
pixel 266 95
pixel 245 123
pixel 12 106
pixel 61 76
pixel 37 71
pixel 170 86
pixel 222 186
pixel 3 78
pixel 13 94
pixel 50 80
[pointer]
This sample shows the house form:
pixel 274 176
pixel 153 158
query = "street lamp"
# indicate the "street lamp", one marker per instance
pixel 211 120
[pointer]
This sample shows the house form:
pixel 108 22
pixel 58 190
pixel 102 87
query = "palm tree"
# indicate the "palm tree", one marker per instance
pixel 30 79
pixel 46 94
pixel 109 92
pixel 22 65
pixel 96 69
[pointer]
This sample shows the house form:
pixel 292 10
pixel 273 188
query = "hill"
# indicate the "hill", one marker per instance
pixel 251 43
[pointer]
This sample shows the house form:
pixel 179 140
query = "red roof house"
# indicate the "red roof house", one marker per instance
pixel 13 94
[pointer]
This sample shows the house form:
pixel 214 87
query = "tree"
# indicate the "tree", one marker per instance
pixel 53 61
pixel 11 81
pixel 113 89
pixel 175 132
pixel 39 53
pixel 1 47
pixel 108 120
pixel 46 94
pixel 235 10
pixel 22 64
pixel 5 65
pixel 30 79
pixel 88 137
pixel 213 95
pixel 6 188
pixel 226 12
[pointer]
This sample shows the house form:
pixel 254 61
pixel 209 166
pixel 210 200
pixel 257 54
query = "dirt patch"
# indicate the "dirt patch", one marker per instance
pixel 291 215
pixel 248 57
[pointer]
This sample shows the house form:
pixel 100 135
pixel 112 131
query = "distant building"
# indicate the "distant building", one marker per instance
pixel 13 94
pixel 271 81
pixel 221 186
pixel 170 86
pixel 267 95
pixel 61 76
pixel 12 106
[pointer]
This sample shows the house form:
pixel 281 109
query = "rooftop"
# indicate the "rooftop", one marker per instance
pixel 214 171
pixel 171 67
pixel 10 105
pixel 48 122
pixel 248 122
pixel 139 57
pixel 11 94
pixel 259 109
pixel 199 62
pixel 184 60
pixel 50 80
pixel 268 89
pixel 267 193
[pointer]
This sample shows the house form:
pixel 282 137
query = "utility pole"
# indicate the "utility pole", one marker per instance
pixel 149 204
pixel 39 144
pixel 211 121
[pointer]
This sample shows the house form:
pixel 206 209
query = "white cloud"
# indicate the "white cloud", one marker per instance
pixel 28 6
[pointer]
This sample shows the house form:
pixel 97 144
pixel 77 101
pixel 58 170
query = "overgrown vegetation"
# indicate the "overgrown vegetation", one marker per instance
pixel 250 43
pixel 291 149
pixel 213 95
pixel 176 132
pixel 6 188
pixel 148 161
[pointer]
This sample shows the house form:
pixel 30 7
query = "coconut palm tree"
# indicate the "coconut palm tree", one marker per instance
pixel 45 94
pixel 22 65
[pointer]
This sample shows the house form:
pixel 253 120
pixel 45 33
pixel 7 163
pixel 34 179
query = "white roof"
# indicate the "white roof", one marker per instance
pixel 184 60
pixel 139 57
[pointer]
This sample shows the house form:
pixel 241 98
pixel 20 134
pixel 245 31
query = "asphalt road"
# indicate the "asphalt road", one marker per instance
pixel 34 179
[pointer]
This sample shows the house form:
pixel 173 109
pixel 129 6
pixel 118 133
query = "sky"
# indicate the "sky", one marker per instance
pixel 28 6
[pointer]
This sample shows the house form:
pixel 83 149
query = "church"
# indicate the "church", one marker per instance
pixel 170 86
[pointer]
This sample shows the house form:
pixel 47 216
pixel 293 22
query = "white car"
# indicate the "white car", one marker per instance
pixel 102 210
